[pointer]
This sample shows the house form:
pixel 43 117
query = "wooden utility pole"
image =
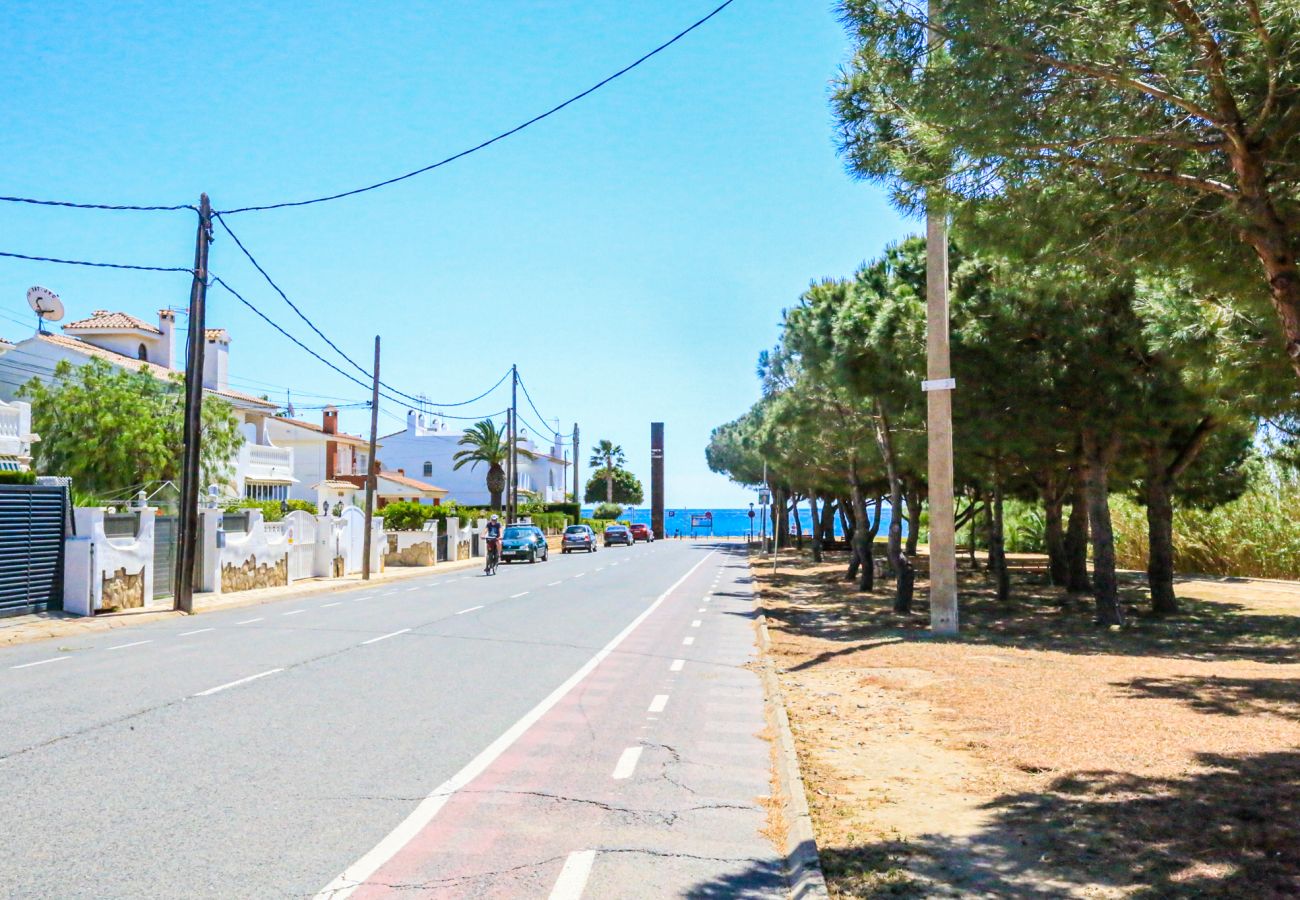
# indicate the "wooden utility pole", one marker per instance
pixel 514 443
pixel 183 598
pixel 939 387
pixel 577 497
pixel 372 469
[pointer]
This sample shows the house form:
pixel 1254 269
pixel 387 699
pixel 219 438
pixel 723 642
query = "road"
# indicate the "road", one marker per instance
pixel 581 727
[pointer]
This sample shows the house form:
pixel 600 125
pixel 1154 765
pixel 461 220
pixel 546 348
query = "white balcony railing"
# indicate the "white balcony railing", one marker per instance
pixel 270 457
pixel 11 421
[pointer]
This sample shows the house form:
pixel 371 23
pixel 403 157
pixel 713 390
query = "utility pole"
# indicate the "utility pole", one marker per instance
pixel 183 599
pixel 577 497
pixel 939 386
pixel 514 442
pixel 505 502
pixel 372 469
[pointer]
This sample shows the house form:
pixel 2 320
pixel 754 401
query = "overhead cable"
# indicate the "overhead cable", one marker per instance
pixel 107 206
pixel 98 265
pixel 502 136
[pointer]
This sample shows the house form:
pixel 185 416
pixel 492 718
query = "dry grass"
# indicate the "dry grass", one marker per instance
pixel 1038 755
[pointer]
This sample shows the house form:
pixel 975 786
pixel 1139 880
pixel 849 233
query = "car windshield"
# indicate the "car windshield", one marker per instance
pixel 517 533
pixel 576 529
pixel 616 528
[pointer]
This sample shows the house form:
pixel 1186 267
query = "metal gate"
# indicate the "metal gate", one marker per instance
pixel 165 534
pixel 32 525
pixel 301 531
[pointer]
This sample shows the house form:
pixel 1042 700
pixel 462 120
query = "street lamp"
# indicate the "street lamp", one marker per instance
pixel 751 523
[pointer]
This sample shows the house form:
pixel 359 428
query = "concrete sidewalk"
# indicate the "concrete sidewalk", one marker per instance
pixel 43 626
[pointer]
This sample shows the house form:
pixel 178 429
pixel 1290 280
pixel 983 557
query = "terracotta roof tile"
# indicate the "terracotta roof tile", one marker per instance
pixel 102 318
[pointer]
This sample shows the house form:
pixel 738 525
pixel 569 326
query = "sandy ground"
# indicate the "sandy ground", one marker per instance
pixel 1039 756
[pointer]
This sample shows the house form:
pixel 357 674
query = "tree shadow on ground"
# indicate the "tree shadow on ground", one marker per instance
pixel 1038 616
pixel 1223 696
pixel 1230 830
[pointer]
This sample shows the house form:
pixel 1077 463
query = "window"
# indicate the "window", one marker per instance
pixel 142 353
pixel 428 468
pixel 254 490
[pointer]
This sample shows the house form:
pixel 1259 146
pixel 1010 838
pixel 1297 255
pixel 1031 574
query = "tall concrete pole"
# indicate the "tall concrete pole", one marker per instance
pixel 372 469
pixel 577 496
pixel 657 478
pixel 939 388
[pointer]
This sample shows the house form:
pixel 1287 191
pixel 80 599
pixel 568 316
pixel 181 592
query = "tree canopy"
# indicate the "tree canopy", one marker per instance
pixel 626 487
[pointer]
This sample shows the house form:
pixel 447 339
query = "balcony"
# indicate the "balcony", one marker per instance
pixel 15 428
pixel 265 463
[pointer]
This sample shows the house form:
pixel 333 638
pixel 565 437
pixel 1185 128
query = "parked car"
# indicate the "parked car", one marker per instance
pixel 618 534
pixel 642 532
pixel 578 537
pixel 521 542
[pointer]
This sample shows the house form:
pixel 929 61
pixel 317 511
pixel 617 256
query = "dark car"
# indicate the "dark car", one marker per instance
pixel 618 534
pixel 642 532
pixel 578 537
pixel 521 542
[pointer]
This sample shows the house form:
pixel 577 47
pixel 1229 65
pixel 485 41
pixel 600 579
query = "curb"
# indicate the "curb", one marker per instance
pixel 803 868
pixel 72 626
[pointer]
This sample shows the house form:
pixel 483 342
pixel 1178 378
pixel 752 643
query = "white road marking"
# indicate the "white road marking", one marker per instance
pixel 573 877
pixel 416 588
pixel 520 594
pixel 677 665
pixel 132 644
pixel 249 621
pixel 554 583
pixel 701 609
pixel 627 762
pixel 222 687
pixel 471 609
pixel 40 662
pixel 335 603
pixel 695 623
pixel 580 574
pixel 196 631
pixel 294 613
pixel 384 637
pixel 658 703
pixel 688 641
pixel 356 874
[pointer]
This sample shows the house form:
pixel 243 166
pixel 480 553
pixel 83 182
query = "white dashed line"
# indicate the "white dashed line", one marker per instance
pixel 249 621
pixel 573 877
pixel 335 603
pixel 695 623
pixel 688 641
pixel 222 687
pixel 384 637
pixel 416 588
pixel 677 665
pixel 471 609
pixel 627 762
pixel 520 594
pixel 294 613
pixel 196 631
pixel 40 662
pixel 658 703
pixel 701 609
pixel 580 574
pixel 132 644
pixel 554 583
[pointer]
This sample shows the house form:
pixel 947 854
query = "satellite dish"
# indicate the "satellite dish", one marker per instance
pixel 46 304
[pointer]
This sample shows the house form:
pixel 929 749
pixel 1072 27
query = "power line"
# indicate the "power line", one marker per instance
pixel 532 404
pixel 502 136
pixel 98 265
pixel 108 206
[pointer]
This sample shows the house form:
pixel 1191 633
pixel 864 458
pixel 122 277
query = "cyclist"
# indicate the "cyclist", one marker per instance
pixel 493 535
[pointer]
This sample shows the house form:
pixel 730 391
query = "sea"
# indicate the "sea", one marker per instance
pixel 728 522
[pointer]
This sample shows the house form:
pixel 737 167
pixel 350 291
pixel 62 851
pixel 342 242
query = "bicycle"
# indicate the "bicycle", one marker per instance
pixel 493 558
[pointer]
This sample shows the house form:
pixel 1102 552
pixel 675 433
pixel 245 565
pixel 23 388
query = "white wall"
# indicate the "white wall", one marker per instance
pixel 100 556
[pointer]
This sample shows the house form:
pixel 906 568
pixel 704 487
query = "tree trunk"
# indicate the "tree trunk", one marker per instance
pixel 1076 539
pixel 851 517
pixel 902 566
pixel 816 530
pixel 1160 536
pixel 913 521
pixel 997 544
pixel 609 486
pixel 974 563
pixel 1058 565
pixel 828 521
pixel 798 523
pixel 1098 453
pixel 862 540
pixel 1273 240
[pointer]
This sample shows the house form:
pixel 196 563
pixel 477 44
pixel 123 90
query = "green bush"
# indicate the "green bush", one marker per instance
pixel 598 525
pixel 306 506
pixel 572 510
pixel 406 516
pixel 17 477
pixel 607 511
pixel 270 508
pixel 552 521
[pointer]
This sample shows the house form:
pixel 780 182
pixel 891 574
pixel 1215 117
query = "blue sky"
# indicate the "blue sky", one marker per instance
pixel 632 254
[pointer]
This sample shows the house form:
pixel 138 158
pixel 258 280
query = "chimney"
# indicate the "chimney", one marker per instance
pixel 401 471
pixel 330 420
pixel 216 359
pixel 167 325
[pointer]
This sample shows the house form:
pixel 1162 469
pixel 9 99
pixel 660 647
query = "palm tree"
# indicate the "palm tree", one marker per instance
pixel 607 456
pixel 491 445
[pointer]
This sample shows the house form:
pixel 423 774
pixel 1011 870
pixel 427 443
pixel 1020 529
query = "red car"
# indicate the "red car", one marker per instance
pixel 642 532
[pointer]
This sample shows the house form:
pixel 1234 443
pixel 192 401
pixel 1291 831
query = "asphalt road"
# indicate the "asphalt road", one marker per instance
pixel 581 727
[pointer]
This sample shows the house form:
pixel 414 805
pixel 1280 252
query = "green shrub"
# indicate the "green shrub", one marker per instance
pixel 270 508
pixel 607 511
pixel 552 521
pixel 405 516
pixel 17 477
pixel 572 510
pixel 306 506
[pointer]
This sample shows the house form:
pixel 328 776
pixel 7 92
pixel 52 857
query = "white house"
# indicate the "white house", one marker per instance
pixel 425 451
pixel 281 458
pixel 16 437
